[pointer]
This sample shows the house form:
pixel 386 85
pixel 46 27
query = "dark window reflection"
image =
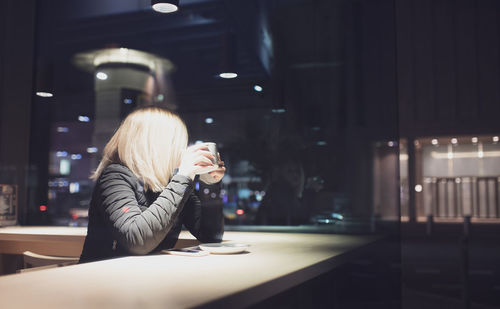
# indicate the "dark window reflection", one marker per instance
pixel 291 91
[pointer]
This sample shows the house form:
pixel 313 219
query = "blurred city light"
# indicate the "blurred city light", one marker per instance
pixel 83 118
pixel 61 154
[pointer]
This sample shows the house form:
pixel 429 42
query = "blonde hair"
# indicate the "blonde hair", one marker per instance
pixel 150 142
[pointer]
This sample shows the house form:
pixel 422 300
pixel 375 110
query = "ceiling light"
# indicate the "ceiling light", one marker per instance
pixel 454 141
pixel 227 56
pixel 209 120
pixel 44 83
pixel 257 88
pixel 165 6
pixel 228 75
pixel 474 140
pixel 495 139
pixel 101 75
pixel 44 94
pixel 434 141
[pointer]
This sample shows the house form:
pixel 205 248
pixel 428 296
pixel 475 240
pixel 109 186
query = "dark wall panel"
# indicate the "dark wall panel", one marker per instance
pixel 448 66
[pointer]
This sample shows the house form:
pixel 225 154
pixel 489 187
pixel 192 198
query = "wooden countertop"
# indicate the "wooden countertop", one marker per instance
pixel 273 263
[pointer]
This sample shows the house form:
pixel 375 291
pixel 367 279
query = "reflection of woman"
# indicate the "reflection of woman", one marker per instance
pixel 281 204
pixel 139 204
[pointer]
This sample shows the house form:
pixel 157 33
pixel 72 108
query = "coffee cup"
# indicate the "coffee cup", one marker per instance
pixel 212 147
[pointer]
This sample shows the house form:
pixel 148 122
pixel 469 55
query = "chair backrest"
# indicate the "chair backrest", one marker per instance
pixel 38 261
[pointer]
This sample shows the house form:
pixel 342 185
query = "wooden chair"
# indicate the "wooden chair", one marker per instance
pixel 34 261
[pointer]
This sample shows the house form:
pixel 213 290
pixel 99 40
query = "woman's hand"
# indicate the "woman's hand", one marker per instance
pixel 220 171
pixel 215 175
pixel 196 160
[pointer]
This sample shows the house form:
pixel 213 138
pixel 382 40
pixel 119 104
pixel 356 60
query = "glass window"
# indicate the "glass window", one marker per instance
pixel 297 96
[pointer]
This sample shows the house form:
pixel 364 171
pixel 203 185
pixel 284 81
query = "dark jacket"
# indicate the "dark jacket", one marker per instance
pixel 126 220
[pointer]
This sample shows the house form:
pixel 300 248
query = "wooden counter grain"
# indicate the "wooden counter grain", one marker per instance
pixel 275 262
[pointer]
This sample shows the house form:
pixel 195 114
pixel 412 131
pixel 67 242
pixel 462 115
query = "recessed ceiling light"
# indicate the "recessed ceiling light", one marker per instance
pixel 228 75
pixel 44 94
pixel 257 88
pixel 101 75
pixel 165 6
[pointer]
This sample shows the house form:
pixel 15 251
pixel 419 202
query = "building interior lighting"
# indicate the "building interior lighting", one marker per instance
pixel 418 188
pixel 92 149
pixel 165 6
pixel 62 129
pixel 474 140
pixel 278 110
pixel 465 154
pixel 209 120
pixel 434 141
pixel 495 139
pixel 454 141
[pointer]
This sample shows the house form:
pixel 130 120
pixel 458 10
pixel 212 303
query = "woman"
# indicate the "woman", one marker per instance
pixel 144 189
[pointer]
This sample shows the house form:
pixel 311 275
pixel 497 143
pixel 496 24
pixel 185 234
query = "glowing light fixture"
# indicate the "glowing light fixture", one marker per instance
pixel 165 6
pixel 434 141
pixel 258 88
pixel 209 120
pixel 495 139
pixel 228 75
pixel 474 140
pixel 227 56
pixel 92 149
pixel 101 75
pixel 454 141
pixel 44 77
pixel 465 154
pixel 44 94
pixel 418 188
